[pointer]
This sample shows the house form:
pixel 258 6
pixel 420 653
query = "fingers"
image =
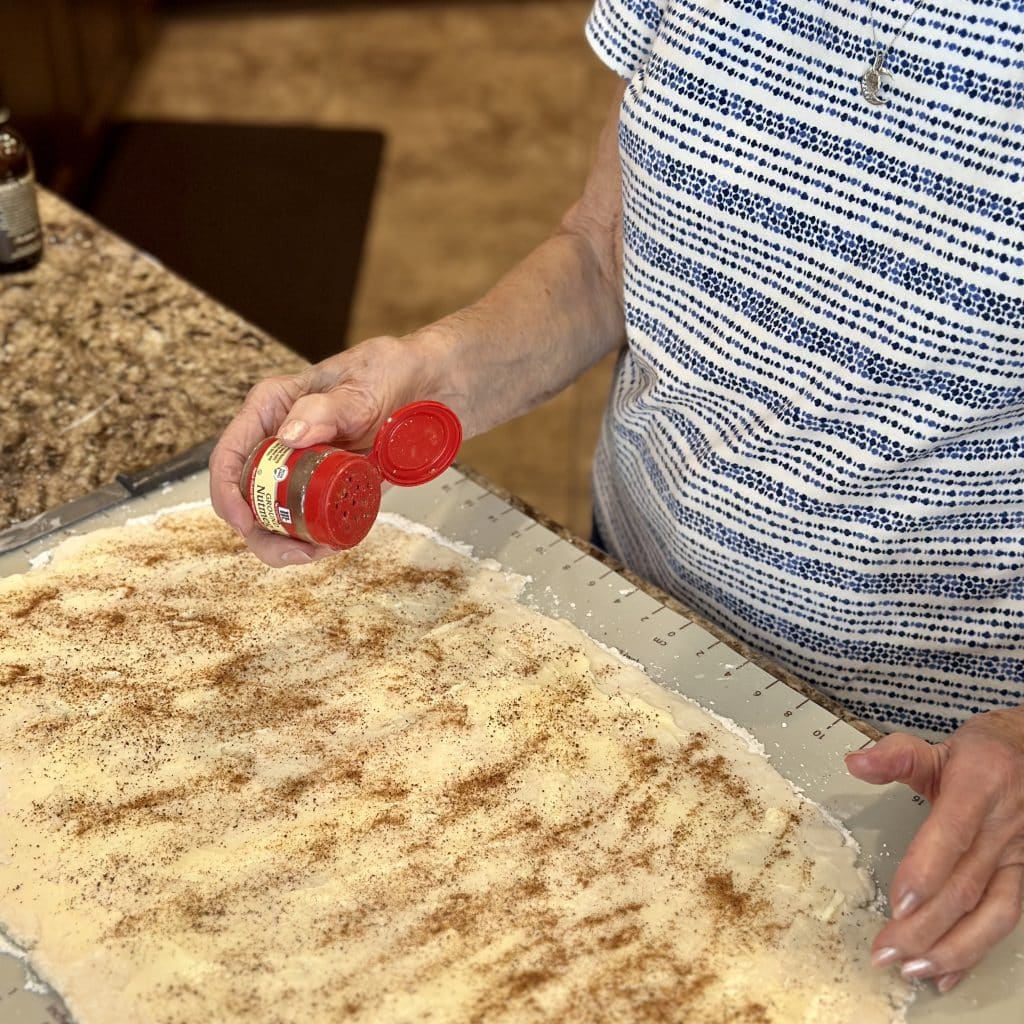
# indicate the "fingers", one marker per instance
pixel 914 931
pixel 343 400
pixel 963 946
pixel 225 494
pixel 947 982
pixel 343 415
pixel 958 889
pixel 933 861
pixel 265 407
pixel 900 757
pixel 277 550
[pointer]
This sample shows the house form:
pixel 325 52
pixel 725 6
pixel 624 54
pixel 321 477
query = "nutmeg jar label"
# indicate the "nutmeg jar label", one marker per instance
pixel 269 487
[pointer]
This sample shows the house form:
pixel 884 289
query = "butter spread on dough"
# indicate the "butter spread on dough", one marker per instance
pixel 380 788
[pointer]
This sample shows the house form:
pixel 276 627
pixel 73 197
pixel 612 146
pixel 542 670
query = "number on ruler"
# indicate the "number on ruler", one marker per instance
pixel 662 641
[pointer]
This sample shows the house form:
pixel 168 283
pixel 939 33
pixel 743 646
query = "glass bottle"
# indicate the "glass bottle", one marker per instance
pixel 21 234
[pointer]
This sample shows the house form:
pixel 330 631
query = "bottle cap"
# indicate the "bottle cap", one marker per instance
pixel 417 443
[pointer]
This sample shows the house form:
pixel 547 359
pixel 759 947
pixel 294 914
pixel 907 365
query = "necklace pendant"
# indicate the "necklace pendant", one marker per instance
pixel 871 81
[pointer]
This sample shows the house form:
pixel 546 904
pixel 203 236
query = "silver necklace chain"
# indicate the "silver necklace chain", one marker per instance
pixel 871 80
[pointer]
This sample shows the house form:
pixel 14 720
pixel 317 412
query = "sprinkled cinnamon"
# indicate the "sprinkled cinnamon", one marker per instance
pixel 392 775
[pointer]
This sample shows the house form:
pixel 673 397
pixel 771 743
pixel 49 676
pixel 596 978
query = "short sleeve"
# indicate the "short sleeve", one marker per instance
pixel 622 32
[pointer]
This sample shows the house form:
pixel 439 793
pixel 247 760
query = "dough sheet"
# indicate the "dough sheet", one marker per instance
pixel 381 788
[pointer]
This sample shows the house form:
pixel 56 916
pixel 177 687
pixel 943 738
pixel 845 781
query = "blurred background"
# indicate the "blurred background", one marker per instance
pixel 331 171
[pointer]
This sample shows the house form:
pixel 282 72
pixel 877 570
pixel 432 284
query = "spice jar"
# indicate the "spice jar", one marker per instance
pixel 21 235
pixel 326 495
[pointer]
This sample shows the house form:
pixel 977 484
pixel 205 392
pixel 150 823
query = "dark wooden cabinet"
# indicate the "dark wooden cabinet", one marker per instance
pixel 63 67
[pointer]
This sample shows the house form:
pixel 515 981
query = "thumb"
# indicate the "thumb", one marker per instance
pixel 343 415
pixel 900 757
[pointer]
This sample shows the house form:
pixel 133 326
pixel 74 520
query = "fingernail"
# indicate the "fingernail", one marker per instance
pixel 292 431
pixel 947 981
pixel 917 968
pixel 884 957
pixel 294 557
pixel 906 904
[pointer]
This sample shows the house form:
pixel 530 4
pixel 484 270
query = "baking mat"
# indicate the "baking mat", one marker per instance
pixel 803 739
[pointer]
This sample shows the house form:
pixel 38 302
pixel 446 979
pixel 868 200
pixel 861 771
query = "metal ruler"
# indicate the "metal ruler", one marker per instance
pixel 803 739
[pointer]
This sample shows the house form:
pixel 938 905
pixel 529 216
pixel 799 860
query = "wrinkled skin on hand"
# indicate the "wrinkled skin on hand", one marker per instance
pixel 957 891
pixel 343 400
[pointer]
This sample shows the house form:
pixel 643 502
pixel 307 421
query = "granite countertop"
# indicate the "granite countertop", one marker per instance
pixel 110 364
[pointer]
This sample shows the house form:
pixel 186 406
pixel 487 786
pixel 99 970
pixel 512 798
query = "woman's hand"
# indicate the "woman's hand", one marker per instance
pixel 958 890
pixel 343 400
pixel 552 316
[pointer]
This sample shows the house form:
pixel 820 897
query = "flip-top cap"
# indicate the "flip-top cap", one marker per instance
pixel 417 443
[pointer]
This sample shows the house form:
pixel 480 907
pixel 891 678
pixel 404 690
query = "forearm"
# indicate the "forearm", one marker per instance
pixel 537 330
pixel 550 318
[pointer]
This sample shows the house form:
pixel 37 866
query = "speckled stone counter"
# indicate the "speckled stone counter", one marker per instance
pixel 109 364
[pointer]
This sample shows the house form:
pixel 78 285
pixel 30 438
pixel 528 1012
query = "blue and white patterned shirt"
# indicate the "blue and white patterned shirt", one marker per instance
pixel 816 433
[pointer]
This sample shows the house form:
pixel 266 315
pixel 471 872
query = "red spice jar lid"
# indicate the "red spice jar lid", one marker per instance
pixel 417 443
